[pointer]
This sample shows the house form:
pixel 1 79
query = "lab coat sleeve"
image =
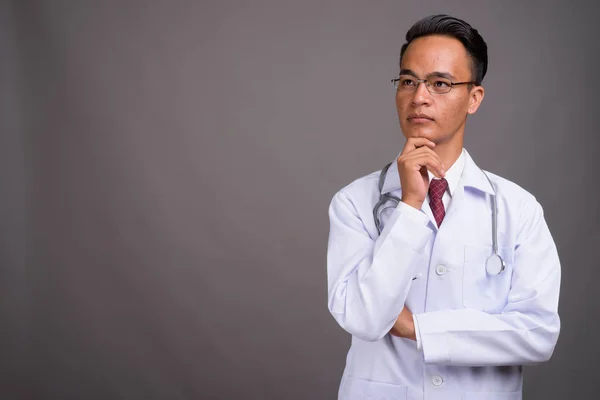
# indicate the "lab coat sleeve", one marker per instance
pixel 525 331
pixel 368 280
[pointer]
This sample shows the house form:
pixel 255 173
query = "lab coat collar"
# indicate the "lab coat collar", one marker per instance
pixel 472 176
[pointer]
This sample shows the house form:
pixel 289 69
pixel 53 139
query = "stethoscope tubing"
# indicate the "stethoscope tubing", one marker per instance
pixel 494 264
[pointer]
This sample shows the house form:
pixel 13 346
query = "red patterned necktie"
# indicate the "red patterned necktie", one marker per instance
pixel 437 188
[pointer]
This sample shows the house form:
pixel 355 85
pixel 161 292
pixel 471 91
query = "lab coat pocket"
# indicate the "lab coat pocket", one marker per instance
pixel 482 291
pixel 362 389
pixel 493 396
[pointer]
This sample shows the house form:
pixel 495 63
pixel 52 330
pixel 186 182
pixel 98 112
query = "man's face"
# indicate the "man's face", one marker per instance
pixel 443 116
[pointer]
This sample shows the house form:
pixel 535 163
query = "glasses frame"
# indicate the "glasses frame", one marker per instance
pixel 396 81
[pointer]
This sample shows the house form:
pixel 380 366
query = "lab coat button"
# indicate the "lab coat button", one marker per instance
pixel 441 269
pixel 437 380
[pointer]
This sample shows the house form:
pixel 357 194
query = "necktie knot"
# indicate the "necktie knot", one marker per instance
pixel 437 188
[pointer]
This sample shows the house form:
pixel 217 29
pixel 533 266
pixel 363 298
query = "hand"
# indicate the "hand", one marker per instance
pixel 416 158
pixel 404 325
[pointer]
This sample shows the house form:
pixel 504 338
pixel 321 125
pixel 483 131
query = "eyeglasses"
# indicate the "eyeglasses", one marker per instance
pixel 434 84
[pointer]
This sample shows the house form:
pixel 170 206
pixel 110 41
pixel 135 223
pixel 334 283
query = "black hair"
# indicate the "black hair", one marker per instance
pixel 446 25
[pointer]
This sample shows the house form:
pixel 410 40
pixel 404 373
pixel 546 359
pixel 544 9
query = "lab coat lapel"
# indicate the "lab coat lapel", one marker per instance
pixel 472 177
pixel 427 210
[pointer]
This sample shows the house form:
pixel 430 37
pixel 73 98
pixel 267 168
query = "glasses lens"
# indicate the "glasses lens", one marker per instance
pixel 406 83
pixel 439 85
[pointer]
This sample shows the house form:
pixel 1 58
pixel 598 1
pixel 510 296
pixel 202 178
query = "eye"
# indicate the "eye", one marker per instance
pixel 407 82
pixel 440 83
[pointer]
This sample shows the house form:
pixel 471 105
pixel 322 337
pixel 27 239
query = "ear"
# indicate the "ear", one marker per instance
pixel 475 98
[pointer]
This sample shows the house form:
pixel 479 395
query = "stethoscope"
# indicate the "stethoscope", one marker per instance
pixel 494 265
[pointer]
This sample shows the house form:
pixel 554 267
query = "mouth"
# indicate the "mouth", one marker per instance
pixel 419 118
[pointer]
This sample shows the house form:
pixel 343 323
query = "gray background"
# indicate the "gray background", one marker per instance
pixel 166 169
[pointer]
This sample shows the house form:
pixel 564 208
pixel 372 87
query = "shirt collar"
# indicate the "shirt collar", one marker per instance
pixel 469 175
pixel 454 173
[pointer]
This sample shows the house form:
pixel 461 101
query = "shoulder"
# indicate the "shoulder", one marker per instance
pixel 509 189
pixel 358 195
pixel 521 203
pixel 360 186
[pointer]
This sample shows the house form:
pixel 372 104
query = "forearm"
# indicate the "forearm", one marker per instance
pixel 368 288
pixel 475 338
pixel 525 331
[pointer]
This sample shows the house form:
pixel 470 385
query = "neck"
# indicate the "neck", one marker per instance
pixel 449 152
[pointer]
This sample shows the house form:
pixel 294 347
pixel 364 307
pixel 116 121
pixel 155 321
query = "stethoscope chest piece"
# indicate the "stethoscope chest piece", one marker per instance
pixel 494 264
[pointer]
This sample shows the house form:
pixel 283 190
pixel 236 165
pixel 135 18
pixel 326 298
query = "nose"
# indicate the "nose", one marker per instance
pixel 421 95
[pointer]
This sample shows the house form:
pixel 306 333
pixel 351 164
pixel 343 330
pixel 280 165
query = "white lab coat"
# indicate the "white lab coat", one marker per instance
pixel 476 330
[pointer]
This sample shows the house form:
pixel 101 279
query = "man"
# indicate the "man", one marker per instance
pixel 434 309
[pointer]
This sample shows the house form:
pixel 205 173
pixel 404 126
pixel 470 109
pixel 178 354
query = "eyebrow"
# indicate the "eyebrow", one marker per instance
pixel 435 73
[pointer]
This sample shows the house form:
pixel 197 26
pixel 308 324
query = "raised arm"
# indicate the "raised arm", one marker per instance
pixel 368 280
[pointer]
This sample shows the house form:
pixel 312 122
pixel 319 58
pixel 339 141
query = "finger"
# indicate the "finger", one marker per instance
pixel 416 161
pixel 421 150
pixel 413 143
pixel 434 155
pixel 416 143
pixel 425 165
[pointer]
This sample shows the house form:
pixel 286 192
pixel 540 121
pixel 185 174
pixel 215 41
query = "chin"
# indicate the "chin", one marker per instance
pixel 425 133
